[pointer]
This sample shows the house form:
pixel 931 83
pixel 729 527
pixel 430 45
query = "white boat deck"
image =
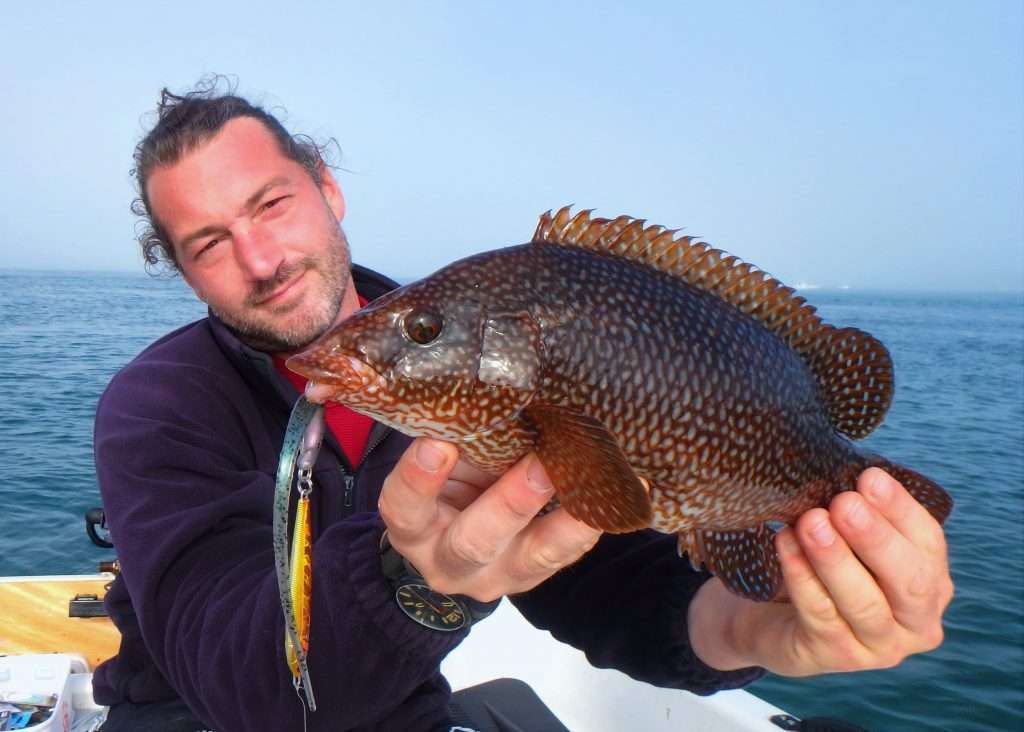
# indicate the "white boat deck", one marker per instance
pixel 589 699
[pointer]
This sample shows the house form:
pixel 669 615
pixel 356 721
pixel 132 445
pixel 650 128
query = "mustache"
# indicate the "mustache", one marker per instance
pixel 265 288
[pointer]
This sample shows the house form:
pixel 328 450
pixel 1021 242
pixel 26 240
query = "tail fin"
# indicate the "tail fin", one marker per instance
pixel 928 493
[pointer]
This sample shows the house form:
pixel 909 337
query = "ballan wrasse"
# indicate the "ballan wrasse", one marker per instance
pixel 619 352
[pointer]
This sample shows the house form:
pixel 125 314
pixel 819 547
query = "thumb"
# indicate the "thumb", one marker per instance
pixel 409 499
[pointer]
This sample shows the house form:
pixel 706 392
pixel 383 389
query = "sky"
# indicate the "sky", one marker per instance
pixel 862 144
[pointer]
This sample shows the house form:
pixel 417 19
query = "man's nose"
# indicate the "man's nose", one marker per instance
pixel 258 255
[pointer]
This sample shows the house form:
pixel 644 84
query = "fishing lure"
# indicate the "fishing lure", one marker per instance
pixel 302 440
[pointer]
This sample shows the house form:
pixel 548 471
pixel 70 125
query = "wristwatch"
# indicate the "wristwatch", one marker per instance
pixel 427 606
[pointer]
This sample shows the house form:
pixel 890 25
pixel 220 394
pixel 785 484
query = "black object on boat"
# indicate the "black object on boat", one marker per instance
pixel 86 606
pixel 96 521
pixel 814 724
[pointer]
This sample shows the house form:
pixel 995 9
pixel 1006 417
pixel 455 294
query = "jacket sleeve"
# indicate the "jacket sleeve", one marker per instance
pixel 625 605
pixel 191 519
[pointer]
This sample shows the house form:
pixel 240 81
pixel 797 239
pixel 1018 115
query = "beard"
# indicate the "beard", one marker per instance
pixel 279 329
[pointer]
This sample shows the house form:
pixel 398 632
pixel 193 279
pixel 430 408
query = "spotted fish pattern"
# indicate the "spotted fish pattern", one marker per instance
pixel 661 382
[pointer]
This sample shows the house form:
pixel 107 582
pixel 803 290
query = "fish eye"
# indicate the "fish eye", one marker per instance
pixel 423 326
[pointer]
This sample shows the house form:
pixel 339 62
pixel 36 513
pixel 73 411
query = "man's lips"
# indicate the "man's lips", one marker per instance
pixel 283 290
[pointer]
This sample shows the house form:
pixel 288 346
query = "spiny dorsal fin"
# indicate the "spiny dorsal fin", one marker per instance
pixel 853 369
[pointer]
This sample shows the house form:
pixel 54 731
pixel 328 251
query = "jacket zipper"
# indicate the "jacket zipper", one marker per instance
pixel 350 482
pixel 349 478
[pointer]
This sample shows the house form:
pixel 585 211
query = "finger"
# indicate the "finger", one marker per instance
pixel 487 525
pixel 409 498
pixel 822 640
pixel 902 510
pixel 467 473
pixel 459 495
pixel 858 599
pixel 915 583
pixel 865 546
pixel 550 543
pixel 802 587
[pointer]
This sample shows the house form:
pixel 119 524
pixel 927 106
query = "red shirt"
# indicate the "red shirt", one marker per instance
pixel 351 429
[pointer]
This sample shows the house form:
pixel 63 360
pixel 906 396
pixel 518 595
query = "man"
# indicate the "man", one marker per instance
pixel 187 438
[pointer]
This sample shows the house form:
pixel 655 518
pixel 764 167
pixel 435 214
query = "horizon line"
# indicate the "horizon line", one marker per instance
pixel 408 279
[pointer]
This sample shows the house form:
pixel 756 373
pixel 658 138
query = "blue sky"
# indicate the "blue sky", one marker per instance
pixel 870 144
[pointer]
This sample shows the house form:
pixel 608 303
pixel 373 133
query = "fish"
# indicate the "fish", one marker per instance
pixel 662 383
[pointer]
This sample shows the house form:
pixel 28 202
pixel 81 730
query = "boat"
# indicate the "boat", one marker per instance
pixel 37 624
pixel 49 654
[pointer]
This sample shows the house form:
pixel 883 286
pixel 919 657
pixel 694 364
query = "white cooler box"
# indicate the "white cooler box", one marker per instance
pixel 60 678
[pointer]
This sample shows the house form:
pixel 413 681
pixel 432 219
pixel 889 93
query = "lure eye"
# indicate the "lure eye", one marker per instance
pixel 423 326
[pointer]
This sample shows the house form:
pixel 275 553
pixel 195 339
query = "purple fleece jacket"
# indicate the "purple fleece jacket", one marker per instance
pixel 187 439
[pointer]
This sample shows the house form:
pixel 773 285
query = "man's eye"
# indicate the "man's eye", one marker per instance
pixel 273 202
pixel 207 247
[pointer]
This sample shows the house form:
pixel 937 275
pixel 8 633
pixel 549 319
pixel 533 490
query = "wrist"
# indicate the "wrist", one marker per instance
pixel 716 622
pixel 421 603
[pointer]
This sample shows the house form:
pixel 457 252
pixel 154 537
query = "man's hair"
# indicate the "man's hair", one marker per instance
pixel 184 122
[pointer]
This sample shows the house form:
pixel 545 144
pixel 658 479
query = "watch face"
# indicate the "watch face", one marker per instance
pixel 432 609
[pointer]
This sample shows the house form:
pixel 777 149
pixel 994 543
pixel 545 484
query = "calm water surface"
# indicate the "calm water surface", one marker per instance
pixel 958 417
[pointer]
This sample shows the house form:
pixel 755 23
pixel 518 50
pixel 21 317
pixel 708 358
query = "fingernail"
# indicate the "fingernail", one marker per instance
pixel 822 533
pixel 879 488
pixel 537 477
pixel 857 515
pixel 429 457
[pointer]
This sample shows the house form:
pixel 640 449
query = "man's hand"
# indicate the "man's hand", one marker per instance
pixel 469 534
pixel 867 583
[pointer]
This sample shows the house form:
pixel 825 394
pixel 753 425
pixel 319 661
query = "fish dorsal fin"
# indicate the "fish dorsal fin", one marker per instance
pixel 853 369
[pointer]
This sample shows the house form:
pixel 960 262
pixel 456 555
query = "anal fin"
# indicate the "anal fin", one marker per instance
pixel 744 559
pixel 592 478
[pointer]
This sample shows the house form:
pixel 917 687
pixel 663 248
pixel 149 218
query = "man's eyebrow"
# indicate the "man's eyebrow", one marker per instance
pixel 249 204
pixel 254 199
pixel 199 234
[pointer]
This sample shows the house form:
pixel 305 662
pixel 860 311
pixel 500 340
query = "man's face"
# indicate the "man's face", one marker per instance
pixel 255 237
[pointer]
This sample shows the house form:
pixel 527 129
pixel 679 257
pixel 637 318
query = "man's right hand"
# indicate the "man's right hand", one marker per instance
pixel 470 534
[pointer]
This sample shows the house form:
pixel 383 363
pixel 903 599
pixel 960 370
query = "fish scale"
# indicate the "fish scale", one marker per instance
pixel 662 383
pixel 694 321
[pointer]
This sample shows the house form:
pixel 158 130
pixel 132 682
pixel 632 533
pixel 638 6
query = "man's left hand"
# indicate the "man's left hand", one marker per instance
pixel 867 583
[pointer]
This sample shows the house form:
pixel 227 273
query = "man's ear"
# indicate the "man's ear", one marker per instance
pixel 332 192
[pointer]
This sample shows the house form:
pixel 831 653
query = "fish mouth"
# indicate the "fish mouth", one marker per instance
pixel 334 377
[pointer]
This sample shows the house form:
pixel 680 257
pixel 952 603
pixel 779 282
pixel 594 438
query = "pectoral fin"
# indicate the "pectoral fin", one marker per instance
pixel 592 478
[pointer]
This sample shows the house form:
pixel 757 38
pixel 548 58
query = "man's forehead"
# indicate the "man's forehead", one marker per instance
pixel 244 139
pixel 219 174
pixel 248 131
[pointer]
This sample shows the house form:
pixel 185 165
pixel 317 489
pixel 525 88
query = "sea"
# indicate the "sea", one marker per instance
pixel 958 417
